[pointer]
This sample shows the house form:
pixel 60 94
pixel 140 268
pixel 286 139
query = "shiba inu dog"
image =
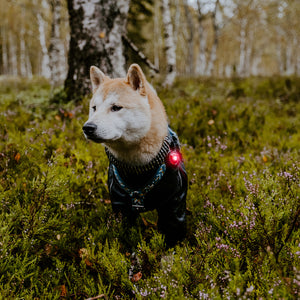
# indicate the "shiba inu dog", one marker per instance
pixel 146 170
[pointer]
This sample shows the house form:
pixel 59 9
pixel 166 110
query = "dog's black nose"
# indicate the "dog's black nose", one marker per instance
pixel 89 128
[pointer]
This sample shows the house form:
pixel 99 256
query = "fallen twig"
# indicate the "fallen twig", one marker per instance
pixel 98 297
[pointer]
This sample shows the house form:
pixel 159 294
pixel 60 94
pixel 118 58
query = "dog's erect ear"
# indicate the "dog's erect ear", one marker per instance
pixel 97 77
pixel 136 78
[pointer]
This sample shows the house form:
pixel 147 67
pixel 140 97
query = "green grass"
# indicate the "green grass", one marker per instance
pixel 60 239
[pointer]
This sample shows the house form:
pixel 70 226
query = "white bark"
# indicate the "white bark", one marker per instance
pixel 213 57
pixel 201 58
pixel 57 58
pixel 213 52
pixel 242 58
pixel 169 44
pixel 90 23
pixel 279 55
pixel 97 27
pixel 23 71
pixel 157 34
pixel 4 52
pixel 28 65
pixel 290 61
pixel 289 65
pixel 176 22
pixel 190 44
pixel 298 60
pixel 45 69
pixel 296 53
pixel 13 58
pixel 255 64
pixel 114 39
pixel 228 71
pixel 248 54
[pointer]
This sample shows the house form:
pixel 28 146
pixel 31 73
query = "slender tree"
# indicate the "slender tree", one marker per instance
pixel 45 69
pixel 202 36
pixel 216 34
pixel 190 38
pixel 4 52
pixel 96 39
pixel 157 40
pixel 169 43
pixel 56 48
pixel 13 55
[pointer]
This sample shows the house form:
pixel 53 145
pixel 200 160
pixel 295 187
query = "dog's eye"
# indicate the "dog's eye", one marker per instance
pixel 116 108
pixel 94 108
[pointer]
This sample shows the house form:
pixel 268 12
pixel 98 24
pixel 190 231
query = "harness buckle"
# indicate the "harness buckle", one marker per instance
pixel 138 207
pixel 138 195
pixel 137 200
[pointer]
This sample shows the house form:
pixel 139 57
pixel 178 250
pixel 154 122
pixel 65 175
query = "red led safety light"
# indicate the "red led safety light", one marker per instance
pixel 174 158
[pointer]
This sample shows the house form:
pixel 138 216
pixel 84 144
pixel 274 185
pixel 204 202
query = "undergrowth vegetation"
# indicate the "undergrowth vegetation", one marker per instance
pixel 60 240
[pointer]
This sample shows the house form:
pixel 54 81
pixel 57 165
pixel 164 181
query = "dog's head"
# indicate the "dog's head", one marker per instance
pixel 119 108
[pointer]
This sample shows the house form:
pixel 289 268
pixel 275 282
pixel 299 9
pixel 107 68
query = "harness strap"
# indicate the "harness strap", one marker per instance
pixel 138 195
pixel 128 169
pixel 170 142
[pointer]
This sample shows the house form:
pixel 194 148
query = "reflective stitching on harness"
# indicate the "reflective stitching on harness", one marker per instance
pixel 138 195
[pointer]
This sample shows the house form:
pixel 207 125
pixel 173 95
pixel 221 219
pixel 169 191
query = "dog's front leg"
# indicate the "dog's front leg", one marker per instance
pixel 128 216
pixel 172 221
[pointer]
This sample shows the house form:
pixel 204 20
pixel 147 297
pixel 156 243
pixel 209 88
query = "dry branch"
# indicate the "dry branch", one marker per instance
pixel 142 56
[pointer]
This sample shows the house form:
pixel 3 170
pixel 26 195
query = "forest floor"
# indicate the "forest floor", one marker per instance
pixel 60 240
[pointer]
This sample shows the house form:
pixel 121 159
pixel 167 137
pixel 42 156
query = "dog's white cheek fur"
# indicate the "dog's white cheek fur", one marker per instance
pixel 130 124
pixel 104 119
pixel 136 121
pixel 106 128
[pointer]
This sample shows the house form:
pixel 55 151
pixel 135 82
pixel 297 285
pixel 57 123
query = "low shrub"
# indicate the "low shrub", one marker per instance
pixel 60 239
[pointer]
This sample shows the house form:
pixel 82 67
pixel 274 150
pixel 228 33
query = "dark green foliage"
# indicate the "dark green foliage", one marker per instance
pixel 59 238
pixel 139 16
pixel 140 13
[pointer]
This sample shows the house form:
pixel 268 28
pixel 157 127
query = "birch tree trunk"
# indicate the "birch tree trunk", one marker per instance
pixel 4 52
pixel 96 28
pixel 28 65
pixel 45 69
pixel 170 50
pixel 298 59
pixel 190 54
pixel 157 34
pixel 201 58
pixel 213 52
pixel 256 60
pixel 13 59
pixel 23 69
pixel 58 66
pixel 279 55
pixel 176 22
pixel 291 63
pixel 242 58
pixel 249 51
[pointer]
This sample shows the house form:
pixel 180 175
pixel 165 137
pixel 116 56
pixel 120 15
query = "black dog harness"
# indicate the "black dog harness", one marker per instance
pixel 161 185
pixel 137 195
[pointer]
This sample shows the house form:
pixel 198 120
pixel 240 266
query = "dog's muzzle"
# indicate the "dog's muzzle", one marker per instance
pixel 89 130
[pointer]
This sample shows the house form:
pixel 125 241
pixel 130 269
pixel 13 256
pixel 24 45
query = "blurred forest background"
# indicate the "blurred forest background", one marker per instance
pixel 221 38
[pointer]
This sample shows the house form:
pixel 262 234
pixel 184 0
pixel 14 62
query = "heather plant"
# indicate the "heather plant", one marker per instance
pixel 60 240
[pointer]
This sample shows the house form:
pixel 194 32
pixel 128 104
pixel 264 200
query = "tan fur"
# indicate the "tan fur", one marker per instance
pixel 130 90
